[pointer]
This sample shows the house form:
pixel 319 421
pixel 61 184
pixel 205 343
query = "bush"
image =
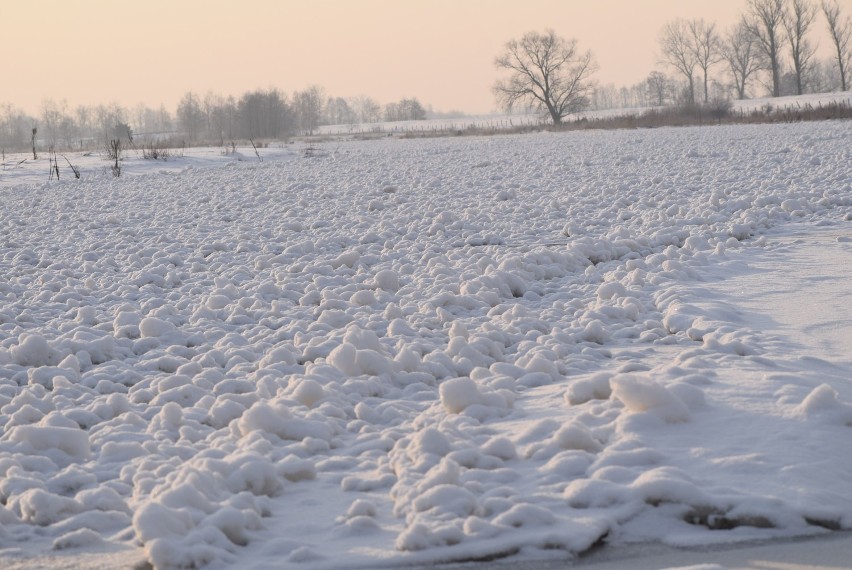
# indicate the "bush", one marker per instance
pixel 155 150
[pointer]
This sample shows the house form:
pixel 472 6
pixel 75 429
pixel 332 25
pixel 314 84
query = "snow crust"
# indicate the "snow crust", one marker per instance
pixel 518 351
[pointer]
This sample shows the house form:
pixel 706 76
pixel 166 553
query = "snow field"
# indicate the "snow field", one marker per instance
pixel 416 351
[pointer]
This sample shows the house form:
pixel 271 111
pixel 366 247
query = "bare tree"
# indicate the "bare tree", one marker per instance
pixel 368 110
pixel 263 114
pixel 739 50
pixel 411 109
pixel 547 72
pixel 841 36
pixel 658 86
pixel 84 123
pixel 107 117
pixel 797 23
pixel 766 22
pixel 705 46
pixel 339 112
pixel 51 118
pixel 677 51
pixel 190 116
pixel 308 105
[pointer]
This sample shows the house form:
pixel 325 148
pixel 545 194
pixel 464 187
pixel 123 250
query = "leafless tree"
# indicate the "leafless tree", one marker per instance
pixel 83 116
pixel 339 112
pixel 765 21
pixel 52 113
pixel 678 52
pixel 190 116
pixel 107 117
pixel 367 109
pixel 308 106
pixel 705 45
pixel 546 71
pixel 263 114
pixel 405 110
pixel 658 87
pixel 840 29
pixel 739 50
pixel 14 127
pixel 797 23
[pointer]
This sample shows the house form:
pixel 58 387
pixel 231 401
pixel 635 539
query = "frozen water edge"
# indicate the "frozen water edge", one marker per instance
pixel 803 553
pixel 773 290
pixel 231 377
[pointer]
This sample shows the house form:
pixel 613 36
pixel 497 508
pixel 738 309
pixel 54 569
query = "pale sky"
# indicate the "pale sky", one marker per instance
pixel 440 51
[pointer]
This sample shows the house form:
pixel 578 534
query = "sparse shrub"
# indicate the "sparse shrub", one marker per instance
pixel 720 107
pixel 74 169
pixel 114 153
pixel 155 150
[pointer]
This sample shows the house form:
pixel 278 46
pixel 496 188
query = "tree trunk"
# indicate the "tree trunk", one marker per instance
pixel 776 79
pixel 554 113
pixel 841 65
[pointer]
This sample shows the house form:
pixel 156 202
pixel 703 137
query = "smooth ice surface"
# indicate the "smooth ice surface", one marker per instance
pixel 418 351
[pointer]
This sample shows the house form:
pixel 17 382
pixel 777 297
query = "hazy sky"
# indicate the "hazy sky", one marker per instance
pixel 440 51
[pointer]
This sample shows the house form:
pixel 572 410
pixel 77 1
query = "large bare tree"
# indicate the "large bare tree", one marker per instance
pixel 797 23
pixel 840 29
pixel 678 51
pixel 739 50
pixel 705 45
pixel 765 21
pixel 546 71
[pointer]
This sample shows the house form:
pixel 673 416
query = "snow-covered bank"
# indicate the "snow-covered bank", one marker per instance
pixel 421 351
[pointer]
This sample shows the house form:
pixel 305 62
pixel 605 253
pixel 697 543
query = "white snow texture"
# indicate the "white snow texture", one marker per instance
pixel 419 351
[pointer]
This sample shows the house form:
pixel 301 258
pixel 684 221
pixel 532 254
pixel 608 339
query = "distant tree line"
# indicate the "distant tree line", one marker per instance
pixel 770 51
pixel 210 118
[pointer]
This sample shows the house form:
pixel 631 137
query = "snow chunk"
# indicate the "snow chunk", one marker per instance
pixel 355 362
pixel 72 442
pixel 152 327
pixel 77 539
pixel 444 499
pixel 594 388
pixel 43 508
pixel 611 290
pixel 505 194
pixel 640 395
pixel 387 280
pixel 309 392
pixel 526 515
pixel 154 520
pixel 347 258
pixel 33 350
pixel 459 393
pixel 277 420
pixel 824 402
